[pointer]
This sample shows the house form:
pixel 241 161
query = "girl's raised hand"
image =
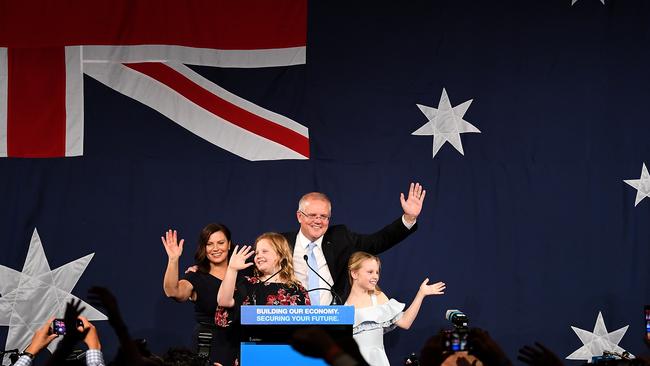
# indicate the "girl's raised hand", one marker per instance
pixel 239 257
pixel 437 288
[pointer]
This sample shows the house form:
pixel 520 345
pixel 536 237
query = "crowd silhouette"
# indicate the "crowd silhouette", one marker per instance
pixel 311 341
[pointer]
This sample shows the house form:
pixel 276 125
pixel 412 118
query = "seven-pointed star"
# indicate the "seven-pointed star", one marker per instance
pixel 594 343
pixel 31 297
pixel 445 123
pixel 642 185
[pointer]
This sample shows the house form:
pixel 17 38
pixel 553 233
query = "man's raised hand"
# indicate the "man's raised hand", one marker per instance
pixel 412 205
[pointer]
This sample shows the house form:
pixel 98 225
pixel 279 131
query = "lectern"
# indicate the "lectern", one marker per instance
pixel 266 331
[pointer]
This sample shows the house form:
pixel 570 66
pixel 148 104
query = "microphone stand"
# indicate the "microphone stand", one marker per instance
pixel 335 296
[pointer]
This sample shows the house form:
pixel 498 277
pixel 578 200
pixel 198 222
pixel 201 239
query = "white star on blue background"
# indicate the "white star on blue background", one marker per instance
pixel 642 185
pixel 31 297
pixel 446 123
pixel 594 343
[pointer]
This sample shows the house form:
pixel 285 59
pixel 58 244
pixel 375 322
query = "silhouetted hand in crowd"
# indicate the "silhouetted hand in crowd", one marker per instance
pixel 538 355
pixel 72 335
pixel 102 297
pixel 464 361
pixel 486 349
pixel 72 312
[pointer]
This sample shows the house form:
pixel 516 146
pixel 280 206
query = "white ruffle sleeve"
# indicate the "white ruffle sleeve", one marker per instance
pixel 380 316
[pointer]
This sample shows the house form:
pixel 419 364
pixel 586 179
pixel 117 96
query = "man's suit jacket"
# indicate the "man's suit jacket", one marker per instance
pixel 339 243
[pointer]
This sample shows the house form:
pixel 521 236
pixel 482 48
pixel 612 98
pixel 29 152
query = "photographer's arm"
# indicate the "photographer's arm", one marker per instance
pixel 40 340
pixel 94 356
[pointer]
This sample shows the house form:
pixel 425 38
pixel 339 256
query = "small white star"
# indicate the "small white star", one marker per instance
pixel 445 123
pixel 642 185
pixel 594 343
pixel 30 298
pixel 575 1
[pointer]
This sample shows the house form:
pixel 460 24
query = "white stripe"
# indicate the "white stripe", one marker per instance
pixel 197 56
pixel 4 85
pixel 179 109
pixel 74 102
pixel 238 101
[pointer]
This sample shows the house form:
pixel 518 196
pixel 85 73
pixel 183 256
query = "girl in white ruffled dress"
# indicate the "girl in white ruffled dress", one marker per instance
pixel 374 313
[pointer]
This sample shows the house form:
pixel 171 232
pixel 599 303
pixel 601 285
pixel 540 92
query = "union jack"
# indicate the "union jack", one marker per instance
pixel 45 53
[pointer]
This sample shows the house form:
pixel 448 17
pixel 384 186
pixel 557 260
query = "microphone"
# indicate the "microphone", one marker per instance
pixel 254 296
pixel 335 296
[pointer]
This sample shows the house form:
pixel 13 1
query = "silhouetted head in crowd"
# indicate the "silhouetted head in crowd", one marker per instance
pixel 214 245
pixel 147 358
pixel 484 349
pixel 181 357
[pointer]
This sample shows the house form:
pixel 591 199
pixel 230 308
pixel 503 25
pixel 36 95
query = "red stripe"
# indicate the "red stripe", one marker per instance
pixel 36 102
pixel 219 24
pixel 224 109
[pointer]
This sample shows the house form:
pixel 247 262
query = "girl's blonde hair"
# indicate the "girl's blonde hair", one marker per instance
pixel 281 247
pixel 354 264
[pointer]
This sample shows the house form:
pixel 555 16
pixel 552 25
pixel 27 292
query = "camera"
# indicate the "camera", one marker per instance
pixel 456 339
pixel 58 326
pixel 204 344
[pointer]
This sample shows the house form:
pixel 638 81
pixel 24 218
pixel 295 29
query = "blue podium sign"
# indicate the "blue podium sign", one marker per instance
pixel 297 315
pixel 254 354
pixel 267 330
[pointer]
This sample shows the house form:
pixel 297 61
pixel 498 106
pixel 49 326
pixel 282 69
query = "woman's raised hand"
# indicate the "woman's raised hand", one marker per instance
pixel 173 248
pixel 239 257
pixel 437 288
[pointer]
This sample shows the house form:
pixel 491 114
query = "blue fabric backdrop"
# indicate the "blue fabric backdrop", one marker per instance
pixel 533 230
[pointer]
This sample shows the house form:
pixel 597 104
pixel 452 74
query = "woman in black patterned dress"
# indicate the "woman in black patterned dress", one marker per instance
pixel 201 285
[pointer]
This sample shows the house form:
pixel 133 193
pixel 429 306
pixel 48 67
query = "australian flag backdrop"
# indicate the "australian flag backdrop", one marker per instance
pixel 122 119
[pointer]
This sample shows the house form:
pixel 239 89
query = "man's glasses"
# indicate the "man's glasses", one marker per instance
pixel 312 217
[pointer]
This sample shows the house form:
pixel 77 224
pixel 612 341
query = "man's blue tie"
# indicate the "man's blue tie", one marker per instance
pixel 311 276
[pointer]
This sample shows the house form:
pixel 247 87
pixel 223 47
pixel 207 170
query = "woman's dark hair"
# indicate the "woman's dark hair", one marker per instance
pixel 201 256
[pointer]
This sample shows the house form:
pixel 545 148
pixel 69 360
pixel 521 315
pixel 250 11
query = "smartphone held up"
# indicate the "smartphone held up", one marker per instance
pixel 58 326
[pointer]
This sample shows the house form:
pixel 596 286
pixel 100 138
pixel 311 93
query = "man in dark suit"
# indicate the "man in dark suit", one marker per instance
pixel 328 248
